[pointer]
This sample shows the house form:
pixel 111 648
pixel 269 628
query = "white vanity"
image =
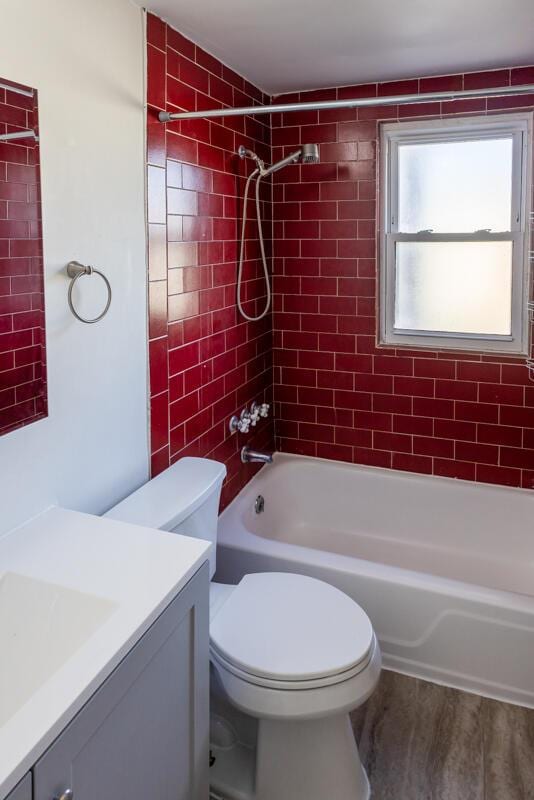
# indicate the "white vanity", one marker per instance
pixel 104 661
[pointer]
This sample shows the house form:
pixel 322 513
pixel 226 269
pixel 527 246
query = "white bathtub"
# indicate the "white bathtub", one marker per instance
pixel 444 568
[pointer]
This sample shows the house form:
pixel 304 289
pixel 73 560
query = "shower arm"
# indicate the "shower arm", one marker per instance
pixel 292 158
pixel 362 102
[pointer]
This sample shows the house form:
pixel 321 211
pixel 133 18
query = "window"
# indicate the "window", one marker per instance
pixel 454 252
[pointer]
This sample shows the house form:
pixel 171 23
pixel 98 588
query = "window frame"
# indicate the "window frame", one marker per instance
pixel 519 127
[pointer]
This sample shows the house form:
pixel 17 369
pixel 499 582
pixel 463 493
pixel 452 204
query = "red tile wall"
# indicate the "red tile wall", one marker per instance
pixel 205 363
pixel 337 394
pixel 22 341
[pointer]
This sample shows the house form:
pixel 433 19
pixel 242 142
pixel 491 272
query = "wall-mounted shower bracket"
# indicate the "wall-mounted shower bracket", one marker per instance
pixel 244 152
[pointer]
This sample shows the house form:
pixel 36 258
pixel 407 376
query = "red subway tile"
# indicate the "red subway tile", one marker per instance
pixel 522 75
pixel 434 368
pixel 181 148
pixel 514 415
pixel 158 366
pixel 317 433
pixel 517 457
pixel 484 80
pixel 457 390
pixel 179 43
pixel 433 407
pixel 156 31
pixel 336 452
pixel 412 463
pixel 454 429
pixel 159 421
pixel 479 371
pixel 433 446
pixel 393 365
pixel 372 458
pixel 391 88
pixel 487 473
pixel 500 393
pixel 398 442
pixel 421 426
pixel 499 434
pixel 156 78
pixel 477 453
pixel 476 412
pixel 442 83
pixel 462 470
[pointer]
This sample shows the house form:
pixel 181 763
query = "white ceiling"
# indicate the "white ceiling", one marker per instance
pixel 282 45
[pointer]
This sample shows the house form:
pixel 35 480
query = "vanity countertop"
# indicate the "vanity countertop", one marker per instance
pixel 76 593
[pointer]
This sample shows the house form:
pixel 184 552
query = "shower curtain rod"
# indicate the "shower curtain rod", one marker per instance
pixel 11 137
pixel 16 89
pixel 365 102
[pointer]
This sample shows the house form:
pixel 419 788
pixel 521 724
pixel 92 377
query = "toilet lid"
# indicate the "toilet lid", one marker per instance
pixel 290 627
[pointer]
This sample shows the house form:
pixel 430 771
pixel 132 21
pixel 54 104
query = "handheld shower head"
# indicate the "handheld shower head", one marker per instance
pixel 306 154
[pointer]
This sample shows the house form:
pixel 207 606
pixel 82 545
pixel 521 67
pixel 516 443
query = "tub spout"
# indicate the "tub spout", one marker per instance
pixel 249 456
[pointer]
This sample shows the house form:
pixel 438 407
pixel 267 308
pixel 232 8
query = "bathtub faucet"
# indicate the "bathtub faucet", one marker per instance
pixel 249 456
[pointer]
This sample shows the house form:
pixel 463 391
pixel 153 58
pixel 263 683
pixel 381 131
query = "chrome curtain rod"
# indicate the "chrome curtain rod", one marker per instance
pixel 364 102
pixel 16 89
pixel 10 137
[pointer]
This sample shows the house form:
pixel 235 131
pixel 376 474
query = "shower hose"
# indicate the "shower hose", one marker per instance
pixel 262 250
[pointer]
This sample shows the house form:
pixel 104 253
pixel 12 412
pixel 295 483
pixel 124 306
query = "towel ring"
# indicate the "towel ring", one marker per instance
pixel 75 270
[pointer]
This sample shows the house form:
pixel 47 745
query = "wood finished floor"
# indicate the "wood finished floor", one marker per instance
pixel 420 741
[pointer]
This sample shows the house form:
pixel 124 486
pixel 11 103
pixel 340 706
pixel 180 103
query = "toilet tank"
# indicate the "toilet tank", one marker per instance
pixel 183 499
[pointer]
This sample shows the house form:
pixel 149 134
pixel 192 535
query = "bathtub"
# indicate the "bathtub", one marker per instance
pixel 444 568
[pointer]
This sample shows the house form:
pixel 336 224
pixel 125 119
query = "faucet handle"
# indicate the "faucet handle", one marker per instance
pixel 255 413
pixel 241 423
pixel 264 409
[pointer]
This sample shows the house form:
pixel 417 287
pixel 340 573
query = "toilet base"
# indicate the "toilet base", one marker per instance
pixel 307 760
pixel 310 760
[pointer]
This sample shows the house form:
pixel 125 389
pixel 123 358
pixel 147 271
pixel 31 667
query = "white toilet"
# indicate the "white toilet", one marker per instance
pixel 290 651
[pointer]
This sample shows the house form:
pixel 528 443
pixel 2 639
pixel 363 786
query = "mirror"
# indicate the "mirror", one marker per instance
pixel 23 397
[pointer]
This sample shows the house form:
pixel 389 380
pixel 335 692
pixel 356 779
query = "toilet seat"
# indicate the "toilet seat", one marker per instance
pixel 286 631
pixel 275 683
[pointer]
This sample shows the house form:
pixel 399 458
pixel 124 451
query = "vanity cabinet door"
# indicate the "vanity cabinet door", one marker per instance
pixel 144 735
pixel 23 790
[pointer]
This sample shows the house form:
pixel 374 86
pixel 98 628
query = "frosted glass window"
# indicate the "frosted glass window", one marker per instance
pixel 455 186
pixel 454 287
pixel 454 243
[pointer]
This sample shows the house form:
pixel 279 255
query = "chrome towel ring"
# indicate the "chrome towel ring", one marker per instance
pixel 75 270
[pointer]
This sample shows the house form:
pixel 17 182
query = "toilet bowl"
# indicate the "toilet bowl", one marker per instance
pixel 298 655
pixel 290 651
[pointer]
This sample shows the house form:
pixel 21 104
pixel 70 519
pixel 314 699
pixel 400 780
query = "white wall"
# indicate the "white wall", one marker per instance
pixel 86 58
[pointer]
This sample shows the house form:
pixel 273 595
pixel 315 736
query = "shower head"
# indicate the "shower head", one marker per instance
pixel 306 154
pixel 309 154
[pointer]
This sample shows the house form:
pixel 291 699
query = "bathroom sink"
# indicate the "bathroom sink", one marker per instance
pixel 41 626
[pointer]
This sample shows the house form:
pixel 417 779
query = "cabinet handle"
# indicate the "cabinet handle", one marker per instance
pixel 68 794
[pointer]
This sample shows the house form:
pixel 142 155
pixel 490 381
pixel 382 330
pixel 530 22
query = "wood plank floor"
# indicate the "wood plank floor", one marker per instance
pixel 420 741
